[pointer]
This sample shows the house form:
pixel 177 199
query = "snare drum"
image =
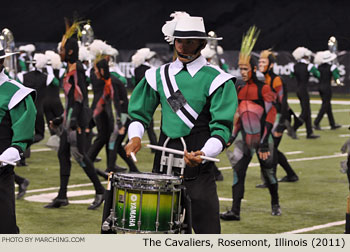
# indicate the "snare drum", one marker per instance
pixel 147 203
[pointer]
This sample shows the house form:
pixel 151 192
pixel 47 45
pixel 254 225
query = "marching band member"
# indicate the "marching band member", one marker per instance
pixel 17 117
pixel 301 71
pixel 327 70
pixel 74 122
pixel 266 62
pixel 198 102
pixel 252 131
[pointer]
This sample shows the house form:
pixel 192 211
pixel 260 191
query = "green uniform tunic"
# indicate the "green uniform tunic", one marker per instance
pixel 16 117
pixel 198 82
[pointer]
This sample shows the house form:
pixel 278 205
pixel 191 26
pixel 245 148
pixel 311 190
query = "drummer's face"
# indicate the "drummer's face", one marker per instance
pixel 188 47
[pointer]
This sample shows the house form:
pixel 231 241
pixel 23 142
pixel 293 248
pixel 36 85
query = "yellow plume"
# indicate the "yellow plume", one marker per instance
pixel 71 30
pixel 248 41
pixel 267 53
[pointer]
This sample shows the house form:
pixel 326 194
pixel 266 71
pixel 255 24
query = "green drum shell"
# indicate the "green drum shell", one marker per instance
pixel 139 193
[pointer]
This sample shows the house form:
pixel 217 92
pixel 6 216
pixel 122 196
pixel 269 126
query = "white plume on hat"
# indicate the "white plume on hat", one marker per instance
pixel 54 58
pixel 301 52
pixel 97 47
pixel 84 54
pixel 324 57
pixel 318 58
pixel 27 48
pixel 109 50
pixel 208 52
pixel 169 27
pixel 40 60
pixel 220 50
pixel 141 56
pixel 328 56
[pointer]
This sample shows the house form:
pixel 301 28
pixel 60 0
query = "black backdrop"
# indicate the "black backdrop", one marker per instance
pixel 128 24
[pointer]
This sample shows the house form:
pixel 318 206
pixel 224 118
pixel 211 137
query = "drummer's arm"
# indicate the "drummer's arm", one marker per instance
pixel 143 102
pixel 222 110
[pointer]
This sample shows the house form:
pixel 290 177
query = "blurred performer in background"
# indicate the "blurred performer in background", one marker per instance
pixel 52 102
pixel 38 80
pixel 25 58
pixel 252 131
pixel 328 71
pixel 17 117
pixel 266 62
pixel 198 102
pixel 301 71
pixel 115 142
pixel 141 60
pixel 74 122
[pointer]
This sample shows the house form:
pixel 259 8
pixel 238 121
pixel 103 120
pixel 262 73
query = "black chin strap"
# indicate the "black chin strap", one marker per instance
pixel 193 55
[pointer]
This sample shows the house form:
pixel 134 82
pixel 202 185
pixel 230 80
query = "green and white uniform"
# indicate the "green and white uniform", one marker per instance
pixel 198 82
pixel 20 114
pixel 17 119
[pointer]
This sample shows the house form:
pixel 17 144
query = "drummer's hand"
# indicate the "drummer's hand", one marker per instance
pixel 193 159
pixel 134 145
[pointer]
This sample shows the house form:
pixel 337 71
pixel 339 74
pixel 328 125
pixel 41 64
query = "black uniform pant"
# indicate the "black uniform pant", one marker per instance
pixel 199 182
pixel 305 115
pixel 204 202
pixel 268 168
pixel 105 124
pixel 281 158
pixel 64 154
pixel 7 201
pixel 326 107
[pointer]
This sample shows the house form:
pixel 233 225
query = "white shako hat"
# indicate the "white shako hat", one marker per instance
pixel 185 27
pixel 301 52
pixel 4 54
pixel 327 56
pixel 141 56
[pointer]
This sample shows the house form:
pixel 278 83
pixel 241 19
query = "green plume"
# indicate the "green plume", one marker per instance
pixel 248 41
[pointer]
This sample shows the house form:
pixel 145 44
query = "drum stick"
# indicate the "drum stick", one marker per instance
pixel 161 148
pixel 8 162
pixel 132 154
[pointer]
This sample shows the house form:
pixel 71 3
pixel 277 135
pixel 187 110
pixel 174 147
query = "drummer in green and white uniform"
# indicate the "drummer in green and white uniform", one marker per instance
pixel 17 120
pixel 198 102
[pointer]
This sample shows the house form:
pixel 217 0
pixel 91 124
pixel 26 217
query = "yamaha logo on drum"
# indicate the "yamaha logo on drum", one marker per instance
pixel 132 219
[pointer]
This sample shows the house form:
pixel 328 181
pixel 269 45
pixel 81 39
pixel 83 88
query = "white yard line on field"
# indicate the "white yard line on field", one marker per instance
pixel 296 160
pixel 308 229
pixel 56 188
pixel 293 152
pixel 40 150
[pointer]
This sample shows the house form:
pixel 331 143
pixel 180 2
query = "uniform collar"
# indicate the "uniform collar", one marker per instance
pixel 304 61
pixel 3 77
pixel 192 67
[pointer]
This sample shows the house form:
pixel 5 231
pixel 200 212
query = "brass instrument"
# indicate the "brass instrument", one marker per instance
pixel 333 45
pixel 87 35
pixel 8 42
pixel 333 48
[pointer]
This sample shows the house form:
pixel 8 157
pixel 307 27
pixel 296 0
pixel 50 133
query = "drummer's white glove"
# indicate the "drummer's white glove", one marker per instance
pixel 11 155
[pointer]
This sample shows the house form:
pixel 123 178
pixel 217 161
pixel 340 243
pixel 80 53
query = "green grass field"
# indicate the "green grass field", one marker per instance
pixel 318 198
